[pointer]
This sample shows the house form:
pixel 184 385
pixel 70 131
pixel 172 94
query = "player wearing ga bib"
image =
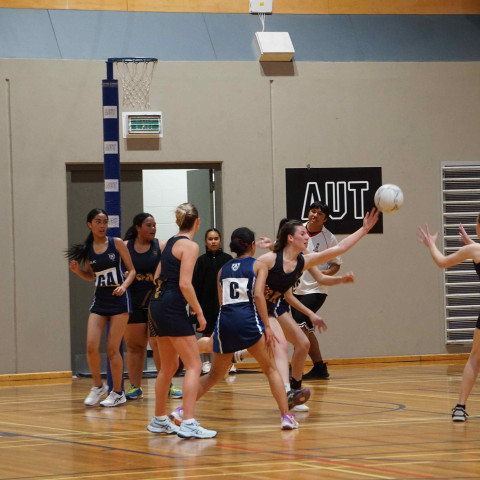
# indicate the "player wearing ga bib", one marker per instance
pixel 142 286
pixel 238 325
pixel 279 282
pixel 107 267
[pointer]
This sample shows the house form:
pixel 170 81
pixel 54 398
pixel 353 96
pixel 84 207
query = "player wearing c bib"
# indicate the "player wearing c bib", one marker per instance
pixel 243 322
pixel 102 258
pixel 239 325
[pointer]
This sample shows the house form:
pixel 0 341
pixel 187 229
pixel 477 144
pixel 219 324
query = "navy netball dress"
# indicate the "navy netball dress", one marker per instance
pixel 279 283
pixel 142 286
pixel 168 307
pixel 107 267
pixel 239 325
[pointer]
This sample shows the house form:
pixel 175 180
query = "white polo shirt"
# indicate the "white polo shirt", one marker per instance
pixel 317 243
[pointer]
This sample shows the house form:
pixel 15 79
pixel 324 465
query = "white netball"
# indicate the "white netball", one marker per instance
pixel 388 198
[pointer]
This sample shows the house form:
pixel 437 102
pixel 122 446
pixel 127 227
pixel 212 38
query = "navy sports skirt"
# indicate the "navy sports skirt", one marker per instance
pixel 168 311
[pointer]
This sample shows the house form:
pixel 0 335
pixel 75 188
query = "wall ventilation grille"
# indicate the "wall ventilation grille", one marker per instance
pixel 461 205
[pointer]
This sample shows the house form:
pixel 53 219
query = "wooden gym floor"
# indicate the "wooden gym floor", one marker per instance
pixel 384 421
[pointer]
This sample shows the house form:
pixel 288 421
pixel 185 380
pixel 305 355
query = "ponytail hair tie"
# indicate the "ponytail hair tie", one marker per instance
pixel 241 242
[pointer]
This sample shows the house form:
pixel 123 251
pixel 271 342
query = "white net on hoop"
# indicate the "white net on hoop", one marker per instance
pixel 136 77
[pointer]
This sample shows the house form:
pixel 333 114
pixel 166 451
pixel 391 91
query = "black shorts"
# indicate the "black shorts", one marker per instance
pixel 313 301
pixel 138 315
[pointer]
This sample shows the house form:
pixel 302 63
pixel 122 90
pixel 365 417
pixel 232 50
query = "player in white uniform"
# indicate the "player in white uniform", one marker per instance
pixel 311 293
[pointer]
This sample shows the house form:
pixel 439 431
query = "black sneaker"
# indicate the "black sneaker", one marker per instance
pixel 297 397
pixel 459 414
pixel 318 372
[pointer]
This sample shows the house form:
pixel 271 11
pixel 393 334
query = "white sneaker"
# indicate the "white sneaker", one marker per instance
pixel 114 400
pixel 162 426
pixel 300 408
pixel 206 367
pixel 96 393
pixel 233 369
pixel 194 430
pixel 237 356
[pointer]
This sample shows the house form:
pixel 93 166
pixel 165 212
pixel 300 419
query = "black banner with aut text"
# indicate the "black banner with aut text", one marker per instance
pixel 348 192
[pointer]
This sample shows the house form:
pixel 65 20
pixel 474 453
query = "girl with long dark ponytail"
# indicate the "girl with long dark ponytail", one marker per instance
pixel 103 259
pixel 79 251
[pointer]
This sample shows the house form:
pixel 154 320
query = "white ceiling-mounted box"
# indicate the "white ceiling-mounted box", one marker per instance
pixel 261 6
pixel 274 46
pixel 142 124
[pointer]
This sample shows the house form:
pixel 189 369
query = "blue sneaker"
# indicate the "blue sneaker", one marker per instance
pixel 133 393
pixel 162 426
pixel 194 430
pixel 174 392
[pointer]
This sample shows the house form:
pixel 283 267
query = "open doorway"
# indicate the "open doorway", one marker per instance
pixel 155 188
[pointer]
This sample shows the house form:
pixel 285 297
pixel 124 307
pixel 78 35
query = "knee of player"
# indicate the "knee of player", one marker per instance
pixel 136 348
pixel 92 347
pixel 112 351
pixel 282 345
pixel 303 344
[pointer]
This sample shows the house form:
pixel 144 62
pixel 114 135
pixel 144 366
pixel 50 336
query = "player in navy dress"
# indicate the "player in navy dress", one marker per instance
pixel 145 251
pixel 168 309
pixel 285 264
pixel 243 323
pixel 103 259
pixel 281 348
pixel 470 251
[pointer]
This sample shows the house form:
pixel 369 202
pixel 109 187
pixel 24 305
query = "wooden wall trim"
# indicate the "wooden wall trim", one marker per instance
pixel 448 357
pixel 35 377
pixel 445 358
pixel 305 7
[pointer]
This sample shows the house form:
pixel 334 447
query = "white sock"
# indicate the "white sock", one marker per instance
pixel 161 418
pixel 287 387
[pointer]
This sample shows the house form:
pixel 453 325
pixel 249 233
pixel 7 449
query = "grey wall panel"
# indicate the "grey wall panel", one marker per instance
pixel 232 35
pixel 228 37
pixel 100 35
pixel 27 34
pixel 322 37
pixel 417 38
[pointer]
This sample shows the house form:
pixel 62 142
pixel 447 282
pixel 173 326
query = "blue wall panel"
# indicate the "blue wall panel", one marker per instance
pixel 27 34
pixel 94 35
pixel 100 35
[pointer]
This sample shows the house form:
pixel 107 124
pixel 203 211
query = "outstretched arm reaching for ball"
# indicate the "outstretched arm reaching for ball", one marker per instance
pixel 469 251
pixel 369 221
pixel 464 235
